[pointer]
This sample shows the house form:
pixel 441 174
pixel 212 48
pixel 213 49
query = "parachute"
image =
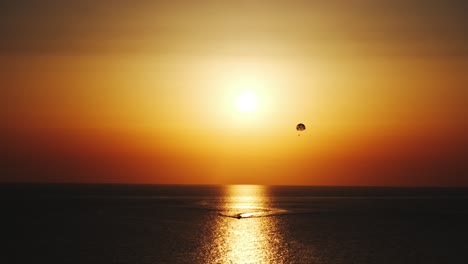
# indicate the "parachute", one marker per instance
pixel 300 127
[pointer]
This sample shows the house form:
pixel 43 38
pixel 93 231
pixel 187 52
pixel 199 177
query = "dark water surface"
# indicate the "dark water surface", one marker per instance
pixel 59 223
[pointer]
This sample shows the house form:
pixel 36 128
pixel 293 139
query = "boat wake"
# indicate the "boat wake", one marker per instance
pixel 260 212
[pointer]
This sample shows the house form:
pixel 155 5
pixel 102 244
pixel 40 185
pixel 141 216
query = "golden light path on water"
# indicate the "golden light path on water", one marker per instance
pixel 248 232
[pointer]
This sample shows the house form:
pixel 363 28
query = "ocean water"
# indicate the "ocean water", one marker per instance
pixel 64 223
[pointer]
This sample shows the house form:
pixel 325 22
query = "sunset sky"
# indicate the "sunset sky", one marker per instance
pixel 210 92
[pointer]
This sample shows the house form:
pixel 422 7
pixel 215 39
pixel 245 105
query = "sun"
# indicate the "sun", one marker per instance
pixel 247 101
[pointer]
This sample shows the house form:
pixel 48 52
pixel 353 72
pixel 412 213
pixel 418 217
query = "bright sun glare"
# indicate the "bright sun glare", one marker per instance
pixel 247 101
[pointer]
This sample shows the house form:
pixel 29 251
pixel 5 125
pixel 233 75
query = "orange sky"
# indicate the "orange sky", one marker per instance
pixel 145 92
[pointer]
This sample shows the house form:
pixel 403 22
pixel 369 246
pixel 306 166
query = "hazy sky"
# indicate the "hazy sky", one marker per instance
pixel 148 91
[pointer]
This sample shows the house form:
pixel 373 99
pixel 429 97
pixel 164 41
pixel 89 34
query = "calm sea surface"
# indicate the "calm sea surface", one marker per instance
pixel 58 223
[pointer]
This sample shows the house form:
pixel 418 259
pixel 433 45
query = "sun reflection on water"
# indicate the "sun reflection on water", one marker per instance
pixel 249 233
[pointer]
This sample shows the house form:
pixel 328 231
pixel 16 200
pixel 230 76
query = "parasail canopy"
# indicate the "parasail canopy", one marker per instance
pixel 300 127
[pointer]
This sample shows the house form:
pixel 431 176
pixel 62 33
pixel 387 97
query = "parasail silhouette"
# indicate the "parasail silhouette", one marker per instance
pixel 300 127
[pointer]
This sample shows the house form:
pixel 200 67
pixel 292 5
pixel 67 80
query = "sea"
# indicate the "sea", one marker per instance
pixel 105 223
